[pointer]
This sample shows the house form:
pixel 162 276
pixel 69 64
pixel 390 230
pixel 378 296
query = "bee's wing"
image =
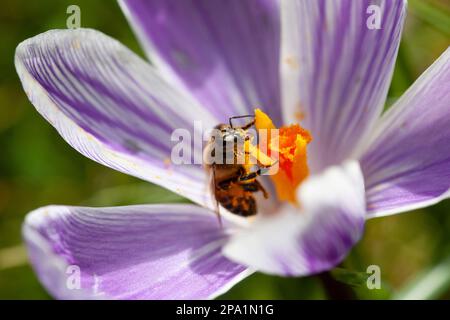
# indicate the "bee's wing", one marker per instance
pixel 212 178
pixel 212 187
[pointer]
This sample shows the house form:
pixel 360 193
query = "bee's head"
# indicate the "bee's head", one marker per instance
pixel 230 137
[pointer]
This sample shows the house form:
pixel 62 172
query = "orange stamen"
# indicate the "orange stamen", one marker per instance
pixel 291 148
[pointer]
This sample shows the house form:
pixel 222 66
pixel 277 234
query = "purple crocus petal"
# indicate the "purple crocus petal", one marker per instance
pixel 112 106
pixel 336 70
pixel 311 239
pixel 407 166
pixel 226 53
pixel 134 252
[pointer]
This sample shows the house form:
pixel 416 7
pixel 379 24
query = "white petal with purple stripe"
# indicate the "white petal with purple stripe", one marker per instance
pixel 336 71
pixel 225 53
pixel 407 165
pixel 112 106
pixel 311 239
pixel 134 252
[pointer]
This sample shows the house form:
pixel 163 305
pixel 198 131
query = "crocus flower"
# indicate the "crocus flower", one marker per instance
pixel 312 60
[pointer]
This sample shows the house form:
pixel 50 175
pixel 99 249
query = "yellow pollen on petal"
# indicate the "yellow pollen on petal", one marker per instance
pixel 291 151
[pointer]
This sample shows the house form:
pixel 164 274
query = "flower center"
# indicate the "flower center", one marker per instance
pixel 287 144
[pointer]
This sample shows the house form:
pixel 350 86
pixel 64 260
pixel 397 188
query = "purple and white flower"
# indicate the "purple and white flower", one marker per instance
pixel 212 59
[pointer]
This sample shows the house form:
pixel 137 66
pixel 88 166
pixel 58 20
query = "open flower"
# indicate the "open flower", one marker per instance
pixel 212 60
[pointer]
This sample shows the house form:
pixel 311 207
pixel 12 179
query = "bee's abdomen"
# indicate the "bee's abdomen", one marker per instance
pixel 244 206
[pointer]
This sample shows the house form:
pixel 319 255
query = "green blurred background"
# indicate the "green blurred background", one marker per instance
pixel 38 168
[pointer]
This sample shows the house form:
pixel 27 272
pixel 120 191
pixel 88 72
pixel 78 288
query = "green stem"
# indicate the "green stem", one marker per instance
pixel 334 289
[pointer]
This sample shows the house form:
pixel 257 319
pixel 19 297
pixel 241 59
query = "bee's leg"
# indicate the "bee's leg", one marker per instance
pixel 267 166
pixel 262 189
pixel 251 187
pixel 255 186
pixel 251 175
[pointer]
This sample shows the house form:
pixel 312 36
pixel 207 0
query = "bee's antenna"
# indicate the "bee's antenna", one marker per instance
pixel 239 117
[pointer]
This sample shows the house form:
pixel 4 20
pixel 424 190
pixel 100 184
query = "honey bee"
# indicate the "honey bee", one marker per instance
pixel 233 183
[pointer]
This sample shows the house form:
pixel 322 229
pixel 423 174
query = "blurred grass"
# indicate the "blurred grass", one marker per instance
pixel 38 168
pixel 429 284
pixel 433 13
